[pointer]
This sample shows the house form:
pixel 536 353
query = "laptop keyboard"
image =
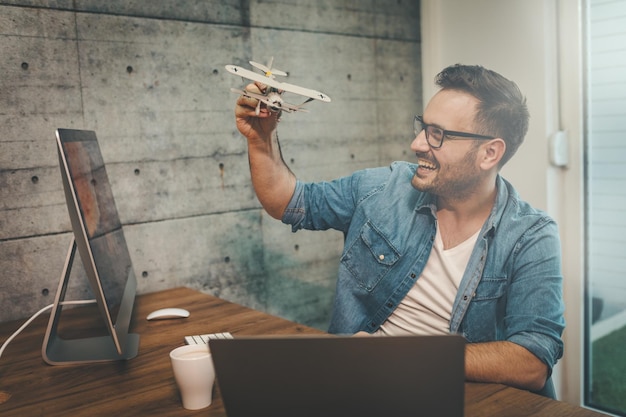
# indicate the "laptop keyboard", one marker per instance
pixel 203 339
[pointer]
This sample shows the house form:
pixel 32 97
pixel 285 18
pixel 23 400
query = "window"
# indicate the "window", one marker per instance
pixel 605 198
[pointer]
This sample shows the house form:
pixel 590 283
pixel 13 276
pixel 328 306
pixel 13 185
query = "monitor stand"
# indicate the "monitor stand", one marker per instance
pixel 59 351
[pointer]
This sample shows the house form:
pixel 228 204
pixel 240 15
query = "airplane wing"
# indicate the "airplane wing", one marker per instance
pixel 233 69
pixel 251 75
pixel 286 107
pixel 307 92
pixel 292 107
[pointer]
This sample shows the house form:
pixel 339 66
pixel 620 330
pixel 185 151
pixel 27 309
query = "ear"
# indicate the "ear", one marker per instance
pixel 491 153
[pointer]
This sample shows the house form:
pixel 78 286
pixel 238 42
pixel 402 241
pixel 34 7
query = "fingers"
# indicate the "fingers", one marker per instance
pixel 254 119
pixel 246 106
pixel 261 87
pixel 249 106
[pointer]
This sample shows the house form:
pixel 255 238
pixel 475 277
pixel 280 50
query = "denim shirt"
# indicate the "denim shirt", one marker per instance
pixel 512 286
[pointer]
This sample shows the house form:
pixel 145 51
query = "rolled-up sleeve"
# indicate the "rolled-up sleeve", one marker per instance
pixel 294 213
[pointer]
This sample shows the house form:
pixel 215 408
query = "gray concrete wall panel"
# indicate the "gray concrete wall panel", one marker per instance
pixel 149 78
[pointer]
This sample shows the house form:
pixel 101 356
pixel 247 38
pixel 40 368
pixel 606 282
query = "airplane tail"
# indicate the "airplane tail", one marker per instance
pixel 268 70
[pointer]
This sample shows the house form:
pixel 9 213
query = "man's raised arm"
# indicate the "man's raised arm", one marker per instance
pixel 273 182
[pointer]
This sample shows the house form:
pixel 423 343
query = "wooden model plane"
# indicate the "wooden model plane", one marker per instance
pixel 272 97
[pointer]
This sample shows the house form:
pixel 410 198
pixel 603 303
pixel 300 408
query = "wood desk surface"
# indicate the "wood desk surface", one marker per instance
pixel 145 385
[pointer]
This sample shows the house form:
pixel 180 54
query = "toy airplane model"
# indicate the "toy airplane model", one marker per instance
pixel 273 95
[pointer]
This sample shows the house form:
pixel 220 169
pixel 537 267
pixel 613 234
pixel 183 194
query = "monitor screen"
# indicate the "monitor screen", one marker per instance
pixel 99 239
pixel 99 216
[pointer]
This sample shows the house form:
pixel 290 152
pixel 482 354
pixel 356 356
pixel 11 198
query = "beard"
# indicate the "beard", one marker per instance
pixel 456 181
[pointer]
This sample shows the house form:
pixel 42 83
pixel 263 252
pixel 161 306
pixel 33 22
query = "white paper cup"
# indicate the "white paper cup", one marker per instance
pixel 194 374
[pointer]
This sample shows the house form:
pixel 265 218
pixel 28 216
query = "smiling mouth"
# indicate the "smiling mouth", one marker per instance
pixel 425 164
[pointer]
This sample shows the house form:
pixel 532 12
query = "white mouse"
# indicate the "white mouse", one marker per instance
pixel 168 313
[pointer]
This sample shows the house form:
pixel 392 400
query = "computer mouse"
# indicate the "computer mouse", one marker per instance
pixel 168 313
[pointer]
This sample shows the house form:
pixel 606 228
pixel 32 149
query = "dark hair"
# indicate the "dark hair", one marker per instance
pixel 502 110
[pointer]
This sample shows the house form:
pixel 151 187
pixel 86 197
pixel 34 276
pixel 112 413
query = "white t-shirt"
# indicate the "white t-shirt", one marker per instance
pixel 427 307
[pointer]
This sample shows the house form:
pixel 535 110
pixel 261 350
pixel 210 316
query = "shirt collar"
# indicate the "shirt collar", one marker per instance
pixel 427 202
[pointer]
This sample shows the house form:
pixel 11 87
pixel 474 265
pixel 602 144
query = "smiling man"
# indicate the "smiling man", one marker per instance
pixel 442 246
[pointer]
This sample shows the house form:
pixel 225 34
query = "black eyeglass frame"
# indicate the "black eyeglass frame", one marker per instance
pixel 444 133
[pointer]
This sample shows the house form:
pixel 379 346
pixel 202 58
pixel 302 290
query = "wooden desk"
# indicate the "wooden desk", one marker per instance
pixel 145 385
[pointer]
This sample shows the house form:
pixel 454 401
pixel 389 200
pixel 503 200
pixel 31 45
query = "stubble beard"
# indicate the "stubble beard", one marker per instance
pixel 458 181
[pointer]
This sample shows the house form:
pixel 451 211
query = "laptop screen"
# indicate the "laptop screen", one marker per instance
pixel 341 376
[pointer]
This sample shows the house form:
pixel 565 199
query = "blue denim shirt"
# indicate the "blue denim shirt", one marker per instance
pixel 512 286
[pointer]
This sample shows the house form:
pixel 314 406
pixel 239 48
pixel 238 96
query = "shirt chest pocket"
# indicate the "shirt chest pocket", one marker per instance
pixel 490 289
pixel 370 257
pixel 483 320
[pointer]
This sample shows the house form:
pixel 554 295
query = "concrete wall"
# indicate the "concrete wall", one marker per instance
pixel 149 78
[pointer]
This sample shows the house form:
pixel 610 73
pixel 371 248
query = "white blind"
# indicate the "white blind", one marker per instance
pixel 606 153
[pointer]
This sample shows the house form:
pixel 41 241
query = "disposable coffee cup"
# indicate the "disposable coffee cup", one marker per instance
pixel 194 374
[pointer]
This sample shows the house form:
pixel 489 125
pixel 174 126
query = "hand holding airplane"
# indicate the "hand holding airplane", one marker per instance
pixel 273 94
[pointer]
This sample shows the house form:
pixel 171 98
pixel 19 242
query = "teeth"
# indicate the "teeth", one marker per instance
pixel 425 164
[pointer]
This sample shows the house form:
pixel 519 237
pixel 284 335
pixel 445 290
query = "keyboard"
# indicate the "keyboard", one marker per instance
pixel 203 339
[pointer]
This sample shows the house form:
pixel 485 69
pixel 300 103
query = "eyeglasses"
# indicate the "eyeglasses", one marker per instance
pixel 435 135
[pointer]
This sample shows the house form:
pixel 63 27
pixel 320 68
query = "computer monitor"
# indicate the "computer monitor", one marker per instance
pixel 99 238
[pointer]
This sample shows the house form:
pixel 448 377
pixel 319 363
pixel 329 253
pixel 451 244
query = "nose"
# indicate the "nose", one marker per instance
pixel 420 144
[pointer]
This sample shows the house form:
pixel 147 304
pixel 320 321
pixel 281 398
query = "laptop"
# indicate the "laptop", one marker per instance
pixel 302 376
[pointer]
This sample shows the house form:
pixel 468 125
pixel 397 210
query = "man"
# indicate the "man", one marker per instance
pixel 444 246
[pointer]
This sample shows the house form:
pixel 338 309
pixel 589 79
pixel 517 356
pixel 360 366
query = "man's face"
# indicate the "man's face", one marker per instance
pixel 451 171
